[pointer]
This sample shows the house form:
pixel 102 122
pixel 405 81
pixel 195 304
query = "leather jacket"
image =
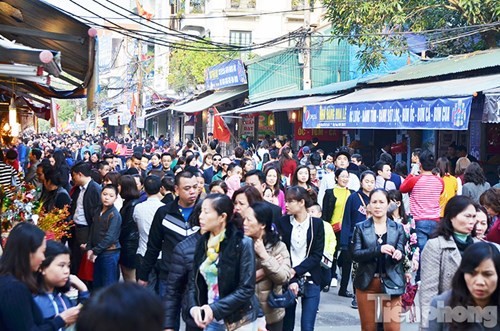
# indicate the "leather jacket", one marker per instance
pixel 236 278
pixel 366 251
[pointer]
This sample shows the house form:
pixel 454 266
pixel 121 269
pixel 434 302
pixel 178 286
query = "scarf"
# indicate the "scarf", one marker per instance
pixel 209 267
pixel 461 244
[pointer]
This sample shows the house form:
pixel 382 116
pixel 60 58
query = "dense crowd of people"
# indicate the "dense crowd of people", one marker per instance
pixel 232 241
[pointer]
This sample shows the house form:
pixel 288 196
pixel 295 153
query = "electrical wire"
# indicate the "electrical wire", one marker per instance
pixel 228 15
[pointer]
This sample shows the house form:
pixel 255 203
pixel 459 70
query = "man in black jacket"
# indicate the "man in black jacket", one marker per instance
pixel 257 179
pixel 170 226
pixel 86 200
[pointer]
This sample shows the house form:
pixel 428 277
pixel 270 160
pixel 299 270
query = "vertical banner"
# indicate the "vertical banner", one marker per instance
pixel 248 126
pixel 140 122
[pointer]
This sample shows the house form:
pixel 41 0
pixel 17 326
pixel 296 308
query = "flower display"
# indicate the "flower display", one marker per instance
pixel 23 206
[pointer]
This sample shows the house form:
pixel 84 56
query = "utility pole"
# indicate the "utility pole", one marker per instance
pixel 307 46
pixel 140 83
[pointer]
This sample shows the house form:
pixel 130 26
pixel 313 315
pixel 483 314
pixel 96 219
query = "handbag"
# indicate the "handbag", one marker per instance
pixel 86 270
pixel 391 288
pixel 281 300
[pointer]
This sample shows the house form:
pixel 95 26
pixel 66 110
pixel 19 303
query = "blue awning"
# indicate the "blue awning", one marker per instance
pixel 443 105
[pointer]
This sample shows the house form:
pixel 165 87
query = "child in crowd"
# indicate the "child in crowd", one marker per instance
pixel 104 245
pixel 54 281
pixel 233 180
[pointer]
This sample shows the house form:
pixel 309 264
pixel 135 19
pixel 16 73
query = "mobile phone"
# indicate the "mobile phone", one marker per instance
pixel 202 313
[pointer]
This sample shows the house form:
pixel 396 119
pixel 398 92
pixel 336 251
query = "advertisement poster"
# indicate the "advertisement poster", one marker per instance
pixel 248 125
pixel 266 125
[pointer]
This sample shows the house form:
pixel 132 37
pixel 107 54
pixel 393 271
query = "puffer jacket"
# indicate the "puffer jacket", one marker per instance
pixel 180 272
pixel 129 235
pixel 275 275
pixel 237 300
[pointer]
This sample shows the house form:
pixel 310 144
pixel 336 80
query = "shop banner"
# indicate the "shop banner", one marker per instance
pixel 429 114
pixel 266 125
pixel 248 125
pixel 300 133
pixel 231 73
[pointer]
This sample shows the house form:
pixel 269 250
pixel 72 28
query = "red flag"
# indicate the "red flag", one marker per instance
pixel 221 131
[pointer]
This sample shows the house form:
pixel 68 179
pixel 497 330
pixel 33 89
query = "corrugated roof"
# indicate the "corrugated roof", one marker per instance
pixel 216 98
pixel 285 104
pixel 445 66
pixel 449 88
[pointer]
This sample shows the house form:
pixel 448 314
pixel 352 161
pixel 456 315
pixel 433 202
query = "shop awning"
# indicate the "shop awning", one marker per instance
pixel 443 105
pixel 214 99
pixel 285 104
pixel 156 113
pixel 491 112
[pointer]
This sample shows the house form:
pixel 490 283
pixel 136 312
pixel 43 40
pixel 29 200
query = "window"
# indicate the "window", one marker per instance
pixel 240 38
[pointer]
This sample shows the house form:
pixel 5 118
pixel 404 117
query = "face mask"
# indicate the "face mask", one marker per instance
pixel 392 207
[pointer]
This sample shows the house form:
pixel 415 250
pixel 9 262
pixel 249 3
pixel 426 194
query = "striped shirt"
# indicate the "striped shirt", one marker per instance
pixel 8 178
pixel 425 192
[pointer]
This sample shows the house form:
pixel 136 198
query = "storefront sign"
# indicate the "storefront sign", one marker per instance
pixel 139 122
pixel 429 114
pixel 248 125
pixel 491 112
pixel 266 125
pixel 307 134
pixel 231 73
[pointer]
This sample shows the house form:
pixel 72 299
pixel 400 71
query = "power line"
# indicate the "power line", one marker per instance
pixel 228 15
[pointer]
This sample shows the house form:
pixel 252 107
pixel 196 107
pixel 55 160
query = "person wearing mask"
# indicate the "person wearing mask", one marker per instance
pixel 169 227
pixel 222 250
pixel 143 216
pixel 85 202
pixel 474 288
pixel 355 212
pixel 304 237
pixel 22 257
pixel 442 254
pixel 273 267
pixel 378 246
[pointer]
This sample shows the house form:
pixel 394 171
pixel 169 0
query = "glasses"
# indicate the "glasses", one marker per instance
pixel 217 159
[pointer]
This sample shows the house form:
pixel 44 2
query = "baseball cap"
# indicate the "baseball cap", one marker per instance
pixel 225 160
pixel 306 149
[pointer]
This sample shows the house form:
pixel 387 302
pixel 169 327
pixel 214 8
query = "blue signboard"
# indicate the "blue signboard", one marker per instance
pixel 437 114
pixel 231 73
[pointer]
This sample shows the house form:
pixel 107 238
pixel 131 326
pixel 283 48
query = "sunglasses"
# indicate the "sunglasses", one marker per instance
pixel 217 159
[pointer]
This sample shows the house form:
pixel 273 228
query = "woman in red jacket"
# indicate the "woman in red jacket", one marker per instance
pixel 287 163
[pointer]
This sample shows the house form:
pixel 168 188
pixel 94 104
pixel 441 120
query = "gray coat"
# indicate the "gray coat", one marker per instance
pixel 439 261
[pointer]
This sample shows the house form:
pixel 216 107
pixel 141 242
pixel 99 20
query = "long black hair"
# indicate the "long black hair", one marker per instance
pixel 24 239
pixel 396 195
pixel 53 249
pixel 473 256
pixel 264 216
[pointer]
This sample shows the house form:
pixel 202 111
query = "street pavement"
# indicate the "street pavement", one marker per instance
pixel 335 313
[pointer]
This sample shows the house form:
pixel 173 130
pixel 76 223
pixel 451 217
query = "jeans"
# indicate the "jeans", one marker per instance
pixel 424 229
pixel 162 289
pixel 310 304
pixel 214 326
pixel 106 270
